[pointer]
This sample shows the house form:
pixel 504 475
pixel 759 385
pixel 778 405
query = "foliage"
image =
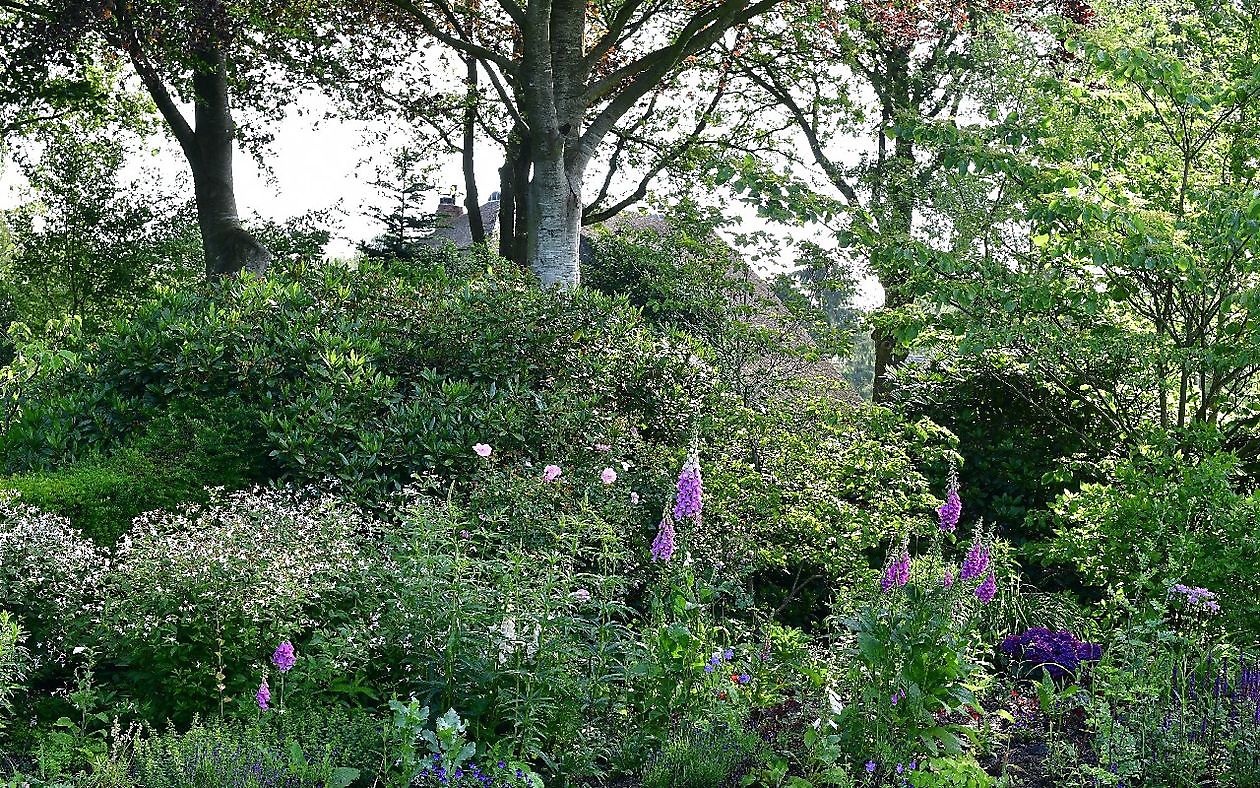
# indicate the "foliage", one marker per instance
pixel 1129 286
pixel 684 277
pixel 1167 516
pixel 171 464
pixel 1020 442
pixel 701 756
pixel 195 597
pixel 84 244
pixel 266 751
pixel 768 519
pixel 366 376
pixel 15 662
pixel 52 577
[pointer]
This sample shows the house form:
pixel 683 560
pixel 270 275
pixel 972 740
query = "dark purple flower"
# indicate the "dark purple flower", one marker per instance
pixel 987 590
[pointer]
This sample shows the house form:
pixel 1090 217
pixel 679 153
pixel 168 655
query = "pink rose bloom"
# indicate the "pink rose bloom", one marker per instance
pixel 551 473
pixel 608 476
pixel 481 450
pixel 634 498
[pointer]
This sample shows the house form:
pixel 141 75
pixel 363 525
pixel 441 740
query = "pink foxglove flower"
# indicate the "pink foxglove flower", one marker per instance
pixel 263 696
pixel 689 500
pixel 663 544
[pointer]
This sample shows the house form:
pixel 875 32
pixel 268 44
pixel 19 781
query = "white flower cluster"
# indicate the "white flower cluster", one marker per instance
pixel 50 575
pixel 261 560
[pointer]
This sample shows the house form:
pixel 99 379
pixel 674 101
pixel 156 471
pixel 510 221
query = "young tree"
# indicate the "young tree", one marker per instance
pixel 566 73
pixel 403 183
pixel 1128 281
pixel 84 245
pixel 212 55
pixel 876 69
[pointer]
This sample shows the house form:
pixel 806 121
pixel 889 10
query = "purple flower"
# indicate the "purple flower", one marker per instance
pixel 976 563
pixel 602 447
pixel 897 573
pixel 608 476
pixel 634 498
pixel 729 654
pixel 1057 653
pixel 948 579
pixel 663 544
pixel 481 449
pixel 987 590
pixel 284 659
pixel 951 510
pixel 709 668
pixel 744 678
pixel 551 473
pixel 870 767
pixel 263 696
pixel 689 501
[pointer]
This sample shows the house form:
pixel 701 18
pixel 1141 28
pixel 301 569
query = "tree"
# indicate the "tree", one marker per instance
pixel 85 245
pixel 403 183
pixel 215 55
pixel 917 61
pixel 1127 280
pixel 566 72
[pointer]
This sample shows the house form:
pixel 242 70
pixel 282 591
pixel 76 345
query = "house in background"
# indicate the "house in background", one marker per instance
pixel 453 225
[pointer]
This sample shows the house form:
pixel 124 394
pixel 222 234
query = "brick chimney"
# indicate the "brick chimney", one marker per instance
pixel 448 208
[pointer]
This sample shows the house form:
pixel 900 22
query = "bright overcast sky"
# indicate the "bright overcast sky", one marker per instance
pixel 319 164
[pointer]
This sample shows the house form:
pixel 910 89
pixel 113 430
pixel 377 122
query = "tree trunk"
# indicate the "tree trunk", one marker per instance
pixel 896 191
pixel 228 246
pixel 513 179
pixel 554 224
pixel 472 202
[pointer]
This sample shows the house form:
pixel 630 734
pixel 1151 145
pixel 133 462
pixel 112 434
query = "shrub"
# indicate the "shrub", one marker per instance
pixel 171 463
pixel 367 376
pixel 702 756
pixel 1166 518
pixel 803 496
pixel 197 598
pixel 51 575
pixel 265 752
pixel 517 636
pixel 14 663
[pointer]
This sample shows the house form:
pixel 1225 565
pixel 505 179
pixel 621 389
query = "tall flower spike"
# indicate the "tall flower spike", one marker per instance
pixel 663 544
pixel 263 696
pixel 987 590
pixel 689 500
pixel 951 510
pixel 976 562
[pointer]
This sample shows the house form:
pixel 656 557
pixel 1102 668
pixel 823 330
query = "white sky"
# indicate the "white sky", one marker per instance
pixel 317 164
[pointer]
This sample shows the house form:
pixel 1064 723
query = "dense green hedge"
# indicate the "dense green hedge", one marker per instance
pixel 366 376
